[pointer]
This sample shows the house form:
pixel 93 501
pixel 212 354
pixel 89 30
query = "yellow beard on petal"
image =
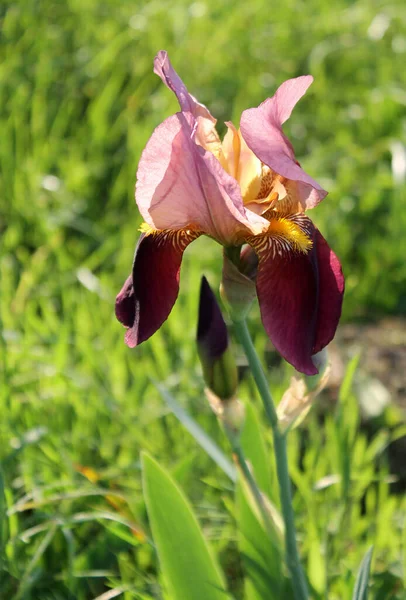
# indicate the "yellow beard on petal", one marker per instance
pixel 147 229
pixel 286 235
pixel 179 237
pixel 289 231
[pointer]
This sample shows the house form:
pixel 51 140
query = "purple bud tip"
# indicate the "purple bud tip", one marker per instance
pixel 212 335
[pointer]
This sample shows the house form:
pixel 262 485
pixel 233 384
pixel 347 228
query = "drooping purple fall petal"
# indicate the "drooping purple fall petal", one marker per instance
pixel 287 295
pixel 261 128
pixel 330 292
pixel 125 303
pixel 180 184
pixel 300 296
pixel 149 294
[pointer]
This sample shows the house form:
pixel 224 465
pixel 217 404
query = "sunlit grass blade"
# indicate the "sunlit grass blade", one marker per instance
pixel 188 566
pixel 114 593
pixel 3 517
pixel 201 437
pixel 361 584
pixel 26 582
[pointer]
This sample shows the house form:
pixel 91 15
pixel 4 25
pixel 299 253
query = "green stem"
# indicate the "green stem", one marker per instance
pixel 285 491
pixel 260 379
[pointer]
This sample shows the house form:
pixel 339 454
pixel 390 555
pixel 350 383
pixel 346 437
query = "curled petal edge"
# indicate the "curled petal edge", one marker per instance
pixel 188 103
pixel 261 128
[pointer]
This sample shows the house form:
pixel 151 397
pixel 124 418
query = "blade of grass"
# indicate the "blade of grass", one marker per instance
pixel 361 584
pixel 201 437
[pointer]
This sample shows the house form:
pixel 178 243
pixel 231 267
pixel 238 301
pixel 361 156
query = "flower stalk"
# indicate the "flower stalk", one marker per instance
pixel 285 492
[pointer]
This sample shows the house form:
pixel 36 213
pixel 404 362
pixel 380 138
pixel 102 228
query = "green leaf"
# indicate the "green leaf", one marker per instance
pixel 361 585
pixel 186 561
pixel 3 517
pixel 346 385
pixel 262 556
pixel 255 450
pixel 201 437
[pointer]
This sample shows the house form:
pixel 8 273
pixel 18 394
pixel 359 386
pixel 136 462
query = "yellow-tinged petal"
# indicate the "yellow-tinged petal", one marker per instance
pixel 208 138
pixel 290 202
pixel 242 163
pixel 231 150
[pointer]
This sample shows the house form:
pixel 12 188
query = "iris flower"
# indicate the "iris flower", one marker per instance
pixel 247 189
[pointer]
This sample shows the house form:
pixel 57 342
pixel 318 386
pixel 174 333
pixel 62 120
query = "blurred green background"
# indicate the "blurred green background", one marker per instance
pixel 78 101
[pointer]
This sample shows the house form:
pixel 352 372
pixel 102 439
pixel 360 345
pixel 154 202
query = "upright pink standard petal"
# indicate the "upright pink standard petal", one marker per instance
pixel 180 184
pixel 261 128
pixel 164 69
pixel 148 295
pixel 300 297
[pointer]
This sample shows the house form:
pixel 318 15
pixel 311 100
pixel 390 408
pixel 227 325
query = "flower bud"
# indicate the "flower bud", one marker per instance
pixel 298 398
pixel 219 367
pixel 237 287
pixel 231 413
pixel 295 403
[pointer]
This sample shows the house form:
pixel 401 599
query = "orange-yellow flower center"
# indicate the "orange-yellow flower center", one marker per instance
pixel 262 189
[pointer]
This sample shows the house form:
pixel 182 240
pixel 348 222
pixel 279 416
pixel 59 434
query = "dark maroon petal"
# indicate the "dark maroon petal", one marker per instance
pixel 330 293
pixel 155 283
pixel 287 295
pixel 125 307
pixel 300 296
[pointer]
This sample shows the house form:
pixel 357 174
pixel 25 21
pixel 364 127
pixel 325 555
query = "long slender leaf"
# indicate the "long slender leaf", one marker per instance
pixel 3 517
pixel 188 566
pixel 252 440
pixel 361 585
pixel 198 433
pixel 261 555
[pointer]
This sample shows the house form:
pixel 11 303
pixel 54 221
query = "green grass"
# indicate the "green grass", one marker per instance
pixel 78 101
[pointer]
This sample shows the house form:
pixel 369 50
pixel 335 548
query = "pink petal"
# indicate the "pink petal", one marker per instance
pixel 261 128
pixel 202 122
pixel 286 97
pixel 300 297
pixel 180 184
pixel 150 292
pixel 164 69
